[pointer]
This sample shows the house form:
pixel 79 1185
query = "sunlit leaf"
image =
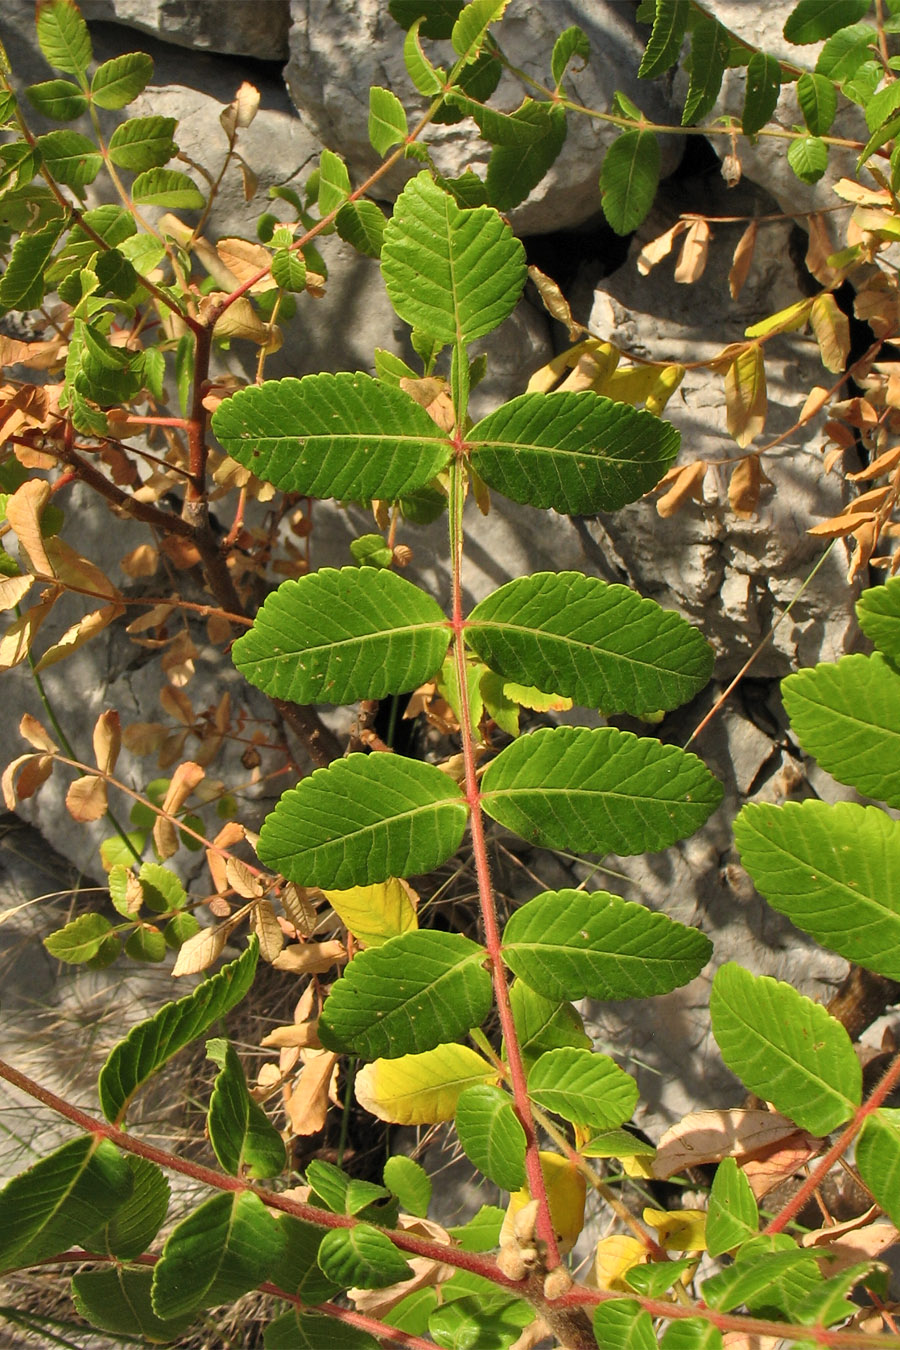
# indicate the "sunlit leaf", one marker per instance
pixel 362 224
pixel 664 43
pixel 244 1140
pixel 116 82
pixel 513 170
pixel 808 157
pixel 373 914
pixel 878 611
pixel 733 1216
pixel 421 1089
pixel 583 1087
pixel 491 1135
pixel 622 1324
pixel 60 100
pixel 167 187
pixel 410 1183
pixel 387 119
pixel 544 1023
pixel 64 37
pixel 571 42
pixel 813 20
pixel 143 143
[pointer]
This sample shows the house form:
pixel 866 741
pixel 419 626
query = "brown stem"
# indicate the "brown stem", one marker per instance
pixel 321 744
pixel 861 999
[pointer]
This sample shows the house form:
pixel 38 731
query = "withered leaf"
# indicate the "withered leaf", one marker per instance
pixel 742 260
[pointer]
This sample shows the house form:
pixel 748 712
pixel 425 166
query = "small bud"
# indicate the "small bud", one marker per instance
pixel 557 1283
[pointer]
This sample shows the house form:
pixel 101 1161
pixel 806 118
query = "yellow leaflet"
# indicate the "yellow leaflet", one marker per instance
pixel 421 1089
pixel 375 913
pixel 535 699
pixel 832 332
pixel 664 386
pixel 745 395
pixel 614 1257
pixel 566 1191
pixel 545 379
pixel 785 321
pixel 633 384
pixel 678 1230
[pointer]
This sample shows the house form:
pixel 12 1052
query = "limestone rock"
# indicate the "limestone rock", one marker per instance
pixel 256 28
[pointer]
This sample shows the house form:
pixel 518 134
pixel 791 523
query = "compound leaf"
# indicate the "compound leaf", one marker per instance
pixel 71 158
pixel 153 1042
pixel 491 1135
pixel 733 1215
pixel 786 1048
pixel 413 993
pixel 575 452
pixel 583 1087
pixel 22 283
pixel 451 272
pixel 421 1089
pixel 544 1023
pixel 61 100
pixel 135 1223
pixel 244 1140
pixel 847 715
pixel 576 944
pixel 629 179
pixel 337 636
pixel 601 645
pixel 345 435
pixel 364 819
pixel 362 225
pixel 602 791
pixel 834 870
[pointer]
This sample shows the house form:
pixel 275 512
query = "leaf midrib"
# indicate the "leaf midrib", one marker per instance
pixel 576 644
pixel 408 629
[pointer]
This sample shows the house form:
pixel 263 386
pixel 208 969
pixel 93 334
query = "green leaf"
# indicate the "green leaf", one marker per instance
pixel 143 143
pixel 834 870
pixel 846 51
pixel 60 99
pixel 544 1023
pixel 338 636
pixel 878 1159
pixel 113 224
pixel 601 645
pixel 629 179
pixel 312 1331
pixel 710 49
pixel 362 225
pixel 345 436
pixel 847 715
pixel 786 1048
pixel 513 170
pixel 471 27
pixel 61 1200
pixel 135 1224
pixel 602 791
pixel 153 1042
pixel 655 1277
pixel 364 819
pixel 762 1280
pixel 289 270
pixel 117 1300
pixel 146 943
pixel 244 1140
pixel 415 992
pixel 70 158
pixel 577 944
pixel 362 1257
pixel 334 182
pixel 761 92
pixel 79 940
pixel 571 42
pixel 219 1252
pixel 813 20
pixel 455 274
pixel 481 1318
pixel 808 157
pixel 22 283
pixel 622 1324
pixel 578 453
pixel 341 1193
pixel 530 122
pixel 618 1143
pixel 387 119
pixel 664 44
pixel 294 1269
pixel 491 1135
pixel 733 1216
pixel 691 1333
pixel 878 611
pixel 117 82
pixel 482 1233
pixel 427 78
pixel 818 102
pixel 161 888
pixel 167 187
pixel 410 1183
pixel 583 1087
pixel 63 37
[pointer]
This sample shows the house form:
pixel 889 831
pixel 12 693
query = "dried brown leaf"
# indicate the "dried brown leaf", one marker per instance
pixel 307 1105
pixel 659 248
pixel 16 641
pixel 79 572
pixel 36 734
pixel 183 781
pixel 23 513
pixel 694 253
pixel 866 543
pixel 305 1036
pixel 814 402
pixel 686 484
pixel 242 109
pixel 298 907
pixel 311 958
pixel 177 704
pixel 819 250
pixel 709 1136
pixel 154 618
pixel 556 304
pixel 79 633
pixel 14 589
pixel 838 527
pixel 144 738
pixel 32 771
pixel 249 180
pixel 178 660
pixel 86 798
pixel 779 1163
pixel 244 260
pixel 745 395
pixel 267 929
pixel 107 739
pixel 742 260
pixel 200 951
pixel 743 487
pixel 141 561
pixel 243 879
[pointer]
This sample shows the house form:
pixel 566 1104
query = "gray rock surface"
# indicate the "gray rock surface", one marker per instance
pixel 257 28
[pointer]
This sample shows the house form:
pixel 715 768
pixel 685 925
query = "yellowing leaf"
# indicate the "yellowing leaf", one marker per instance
pixel 814 402
pixel 614 1257
pixel 743 257
pixel 678 1230
pixel 421 1089
pixel 181 785
pixel 14 589
pixel 375 913
pixel 566 1193
pixel 667 381
pixel 743 487
pixel 241 111
pixel 547 378
pixel 32 770
pixel 23 512
pixel 631 384
pixel 86 798
pixel 79 572
pixel 745 395
pixel 819 251
pixel 785 321
pixel 307 1106
pixel 36 734
pixel 246 260
pixel 832 332
pixel 107 740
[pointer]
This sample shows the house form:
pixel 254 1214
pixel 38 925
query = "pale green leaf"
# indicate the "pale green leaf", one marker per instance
pixel 785 1048
pixel 571 42
pixel 219 1252
pixel 117 82
pixel 847 715
pixel 427 79
pixel 143 143
pixel 421 1089
pixel 387 119
pixel 334 182
pixel 61 1200
pixel 289 270
pixel 732 1215
pixel 364 819
pixel 583 1087
pixel 834 870
pixel 22 282
pixel 153 1042
pixel 135 1224
pixel 761 92
pixel 878 1159
pixel 808 157
pixel 60 99
pixel 415 992
pixel 846 51
pixel 544 1023
pixel 70 158
pixel 765 1280
pixel 63 37
pixel 243 1138
pixel 362 225
pixel 818 102
pixel 601 645
pixel 691 1333
pixel 513 170
pixel 337 636
pixel 453 273
pixel 602 791
pixel 491 1135
pixel 362 1257
pixel 471 27
pixel 629 179
pixel 167 187
pixel 813 20
pixel 80 939
pixel 118 1300
pixel 577 944
pixel 710 48
pixel 622 1324
pixel 410 1183
pixel 575 452
pixel 664 44
pixel 345 436
pixel 878 611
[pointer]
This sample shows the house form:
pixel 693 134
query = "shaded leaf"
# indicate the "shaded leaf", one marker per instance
pixel 116 82
pixel 362 1257
pixel 421 1089
pixel 583 1087
pixel 118 1301
pixel 513 170
pixel 808 157
pixel 135 1224
pixel 629 179
pixel 745 394
pixel 491 1135
pixel 762 90
pixel 244 1140
pixel 710 47
pixel 410 1183
pixel 571 42
pixel 80 940
pixel 878 1159
pixel 414 993
pixel 664 44
pixel 622 1324
pixel 544 1023
pixel 817 97
pixel 22 282
pixel 813 20
pixel 296 1330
